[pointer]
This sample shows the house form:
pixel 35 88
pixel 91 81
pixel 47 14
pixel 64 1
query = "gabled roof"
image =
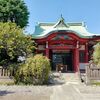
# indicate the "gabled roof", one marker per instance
pixel 61 23
pixel 42 30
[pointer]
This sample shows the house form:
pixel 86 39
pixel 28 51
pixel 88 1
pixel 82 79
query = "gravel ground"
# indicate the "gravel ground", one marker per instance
pixel 25 92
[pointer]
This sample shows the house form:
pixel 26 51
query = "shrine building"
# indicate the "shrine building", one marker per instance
pixel 65 43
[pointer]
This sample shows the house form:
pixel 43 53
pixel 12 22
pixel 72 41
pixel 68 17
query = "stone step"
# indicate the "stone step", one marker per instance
pixel 67 78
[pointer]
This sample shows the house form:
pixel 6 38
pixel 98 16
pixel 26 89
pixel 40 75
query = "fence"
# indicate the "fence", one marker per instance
pixel 92 72
pixel 5 72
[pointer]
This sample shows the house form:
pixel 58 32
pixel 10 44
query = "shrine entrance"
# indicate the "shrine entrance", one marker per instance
pixel 64 58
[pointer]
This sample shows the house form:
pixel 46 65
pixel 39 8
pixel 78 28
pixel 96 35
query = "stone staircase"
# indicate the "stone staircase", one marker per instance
pixel 66 78
pixel 71 78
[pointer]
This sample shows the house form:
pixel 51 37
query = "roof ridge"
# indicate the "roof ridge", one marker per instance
pixel 67 23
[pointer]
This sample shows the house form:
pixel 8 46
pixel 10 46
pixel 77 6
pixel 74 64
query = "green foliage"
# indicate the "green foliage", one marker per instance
pixel 96 83
pixel 14 11
pixel 13 43
pixel 9 83
pixel 96 53
pixel 35 71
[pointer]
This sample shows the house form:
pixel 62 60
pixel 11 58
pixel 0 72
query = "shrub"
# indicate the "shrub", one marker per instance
pixel 96 53
pixel 35 71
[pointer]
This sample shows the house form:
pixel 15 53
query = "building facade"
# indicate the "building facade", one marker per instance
pixel 65 43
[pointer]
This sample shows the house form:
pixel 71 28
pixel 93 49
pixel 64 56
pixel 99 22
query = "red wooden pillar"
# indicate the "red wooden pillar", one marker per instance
pixel 86 52
pixel 76 58
pixel 47 50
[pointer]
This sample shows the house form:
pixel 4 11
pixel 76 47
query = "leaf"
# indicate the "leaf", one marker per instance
pixel 14 11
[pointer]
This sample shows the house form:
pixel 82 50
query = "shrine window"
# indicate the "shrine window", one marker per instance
pixel 82 56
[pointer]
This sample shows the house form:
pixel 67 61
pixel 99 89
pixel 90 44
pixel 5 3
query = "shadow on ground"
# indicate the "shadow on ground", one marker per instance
pixel 3 93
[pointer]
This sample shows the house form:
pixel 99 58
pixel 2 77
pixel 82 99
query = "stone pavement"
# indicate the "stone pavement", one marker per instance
pixel 73 89
pixel 76 92
pixel 70 89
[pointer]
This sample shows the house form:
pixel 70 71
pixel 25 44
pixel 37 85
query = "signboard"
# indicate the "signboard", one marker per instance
pixel 62 46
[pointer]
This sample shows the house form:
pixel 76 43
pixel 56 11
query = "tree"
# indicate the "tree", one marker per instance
pixel 13 43
pixel 14 11
pixel 96 53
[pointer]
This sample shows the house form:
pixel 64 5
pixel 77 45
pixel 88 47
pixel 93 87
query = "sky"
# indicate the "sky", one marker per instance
pixel 87 11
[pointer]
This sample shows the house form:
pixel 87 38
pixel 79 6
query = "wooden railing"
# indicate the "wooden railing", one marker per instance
pixel 5 72
pixel 92 72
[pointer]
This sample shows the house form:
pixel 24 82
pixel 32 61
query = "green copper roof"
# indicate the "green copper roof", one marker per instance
pixel 43 30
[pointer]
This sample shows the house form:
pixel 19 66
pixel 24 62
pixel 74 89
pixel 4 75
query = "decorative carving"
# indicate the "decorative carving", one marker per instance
pixel 62 37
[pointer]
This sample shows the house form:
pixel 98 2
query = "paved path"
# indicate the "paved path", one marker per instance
pixel 67 91
pixel 71 89
pixel 76 92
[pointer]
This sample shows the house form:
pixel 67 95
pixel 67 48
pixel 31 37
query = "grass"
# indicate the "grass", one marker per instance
pixel 7 83
pixel 97 83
